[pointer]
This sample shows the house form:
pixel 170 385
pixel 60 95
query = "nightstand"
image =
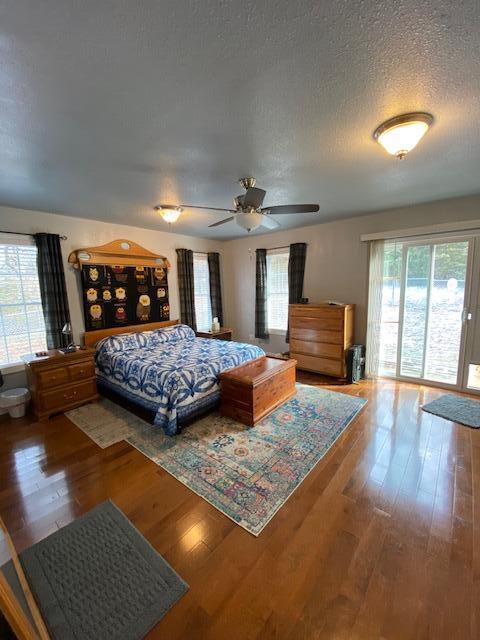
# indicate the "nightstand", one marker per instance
pixel 224 334
pixel 61 381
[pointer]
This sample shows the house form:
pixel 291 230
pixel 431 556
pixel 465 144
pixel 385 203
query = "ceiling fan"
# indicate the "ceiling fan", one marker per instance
pixel 248 212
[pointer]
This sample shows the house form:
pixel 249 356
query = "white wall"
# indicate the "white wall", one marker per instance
pixel 87 233
pixel 337 261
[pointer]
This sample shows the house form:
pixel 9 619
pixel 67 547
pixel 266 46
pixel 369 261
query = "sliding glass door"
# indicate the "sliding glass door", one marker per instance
pixel 422 326
pixel 472 319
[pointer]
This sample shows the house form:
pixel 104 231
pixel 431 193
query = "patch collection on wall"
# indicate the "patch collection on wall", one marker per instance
pixel 115 295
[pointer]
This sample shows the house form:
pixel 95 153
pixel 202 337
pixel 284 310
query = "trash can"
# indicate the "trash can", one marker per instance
pixel 15 401
pixel 356 363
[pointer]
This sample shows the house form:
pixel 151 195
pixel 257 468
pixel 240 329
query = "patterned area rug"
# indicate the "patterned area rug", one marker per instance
pixel 457 409
pixel 246 473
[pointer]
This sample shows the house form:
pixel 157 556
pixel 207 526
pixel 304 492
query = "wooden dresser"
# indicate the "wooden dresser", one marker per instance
pixel 320 335
pixel 59 382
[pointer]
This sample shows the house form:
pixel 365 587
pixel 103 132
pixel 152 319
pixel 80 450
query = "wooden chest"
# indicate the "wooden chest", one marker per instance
pixel 59 382
pixel 254 389
pixel 320 335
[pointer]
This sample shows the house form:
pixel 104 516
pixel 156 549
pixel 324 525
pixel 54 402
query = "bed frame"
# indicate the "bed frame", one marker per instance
pixel 92 337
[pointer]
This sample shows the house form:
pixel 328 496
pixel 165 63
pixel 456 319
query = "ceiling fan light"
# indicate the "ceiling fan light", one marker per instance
pixel 249 221
pixel 401 134
pixel 168 212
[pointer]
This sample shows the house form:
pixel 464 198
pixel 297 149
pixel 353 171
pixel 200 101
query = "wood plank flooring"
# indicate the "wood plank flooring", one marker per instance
pixel 381 540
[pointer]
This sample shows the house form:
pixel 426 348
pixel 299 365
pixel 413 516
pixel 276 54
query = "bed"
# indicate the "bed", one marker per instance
pixel 168 371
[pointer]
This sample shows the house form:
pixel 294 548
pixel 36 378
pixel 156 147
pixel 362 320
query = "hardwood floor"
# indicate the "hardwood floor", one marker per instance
pixel 381 540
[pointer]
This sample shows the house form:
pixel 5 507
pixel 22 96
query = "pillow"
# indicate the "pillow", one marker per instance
pixel 123 342
pixel 170 334
pixel 149 339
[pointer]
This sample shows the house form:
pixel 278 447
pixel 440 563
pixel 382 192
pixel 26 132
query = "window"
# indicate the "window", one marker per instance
pixel 277 290
pixel 22 328
pixel 201 280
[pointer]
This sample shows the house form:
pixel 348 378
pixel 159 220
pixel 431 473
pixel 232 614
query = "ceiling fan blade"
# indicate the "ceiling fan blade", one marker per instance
pixel 254 197
pixel 216 224
pixel 269 222
pixel 194 206
pixel 293 208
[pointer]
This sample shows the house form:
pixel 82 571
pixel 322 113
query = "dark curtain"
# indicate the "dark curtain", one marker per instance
pixel 186 287
pixel 296 272
pixel 261 327
pixel 215 286
pixel 52 288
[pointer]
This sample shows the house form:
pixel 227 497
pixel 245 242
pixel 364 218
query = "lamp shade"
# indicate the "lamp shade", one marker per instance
pixel 249 221
pixel 169 213
pixel 67 329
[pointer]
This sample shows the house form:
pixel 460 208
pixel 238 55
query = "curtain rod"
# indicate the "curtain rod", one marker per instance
pixel 17 233
pixel 272 248
pixel 287 246
pixel 203 253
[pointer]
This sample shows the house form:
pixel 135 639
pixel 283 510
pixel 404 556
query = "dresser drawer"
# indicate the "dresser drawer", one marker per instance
pixel 311 335
pixel 60 398
pixel 317 348
pixel 306 311
pixel 52 377
pixel 317 324
pixel 320 365
pixel 81 370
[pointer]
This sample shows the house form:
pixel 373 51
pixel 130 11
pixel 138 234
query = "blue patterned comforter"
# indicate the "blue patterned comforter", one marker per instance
pixel 169 371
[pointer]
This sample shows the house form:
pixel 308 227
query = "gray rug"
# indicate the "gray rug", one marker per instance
pixel 457 409
pixel 99 578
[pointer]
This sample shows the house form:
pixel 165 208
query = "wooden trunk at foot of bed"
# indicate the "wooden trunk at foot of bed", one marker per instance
pixel 92 337
pixel 254 389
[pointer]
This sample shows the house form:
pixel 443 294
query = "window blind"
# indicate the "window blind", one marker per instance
pixel 22 327
pixel 277 289
pixel 203 307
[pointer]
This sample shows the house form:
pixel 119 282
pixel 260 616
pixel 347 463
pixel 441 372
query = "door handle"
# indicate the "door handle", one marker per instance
pixel 466 315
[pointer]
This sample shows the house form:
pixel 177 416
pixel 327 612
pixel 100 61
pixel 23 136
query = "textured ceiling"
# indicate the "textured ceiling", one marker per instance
pixel 108 107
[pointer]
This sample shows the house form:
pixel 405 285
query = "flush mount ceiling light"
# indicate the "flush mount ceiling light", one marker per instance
pixel 170 213
pixel 401 134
